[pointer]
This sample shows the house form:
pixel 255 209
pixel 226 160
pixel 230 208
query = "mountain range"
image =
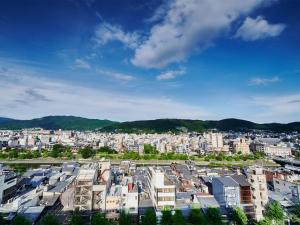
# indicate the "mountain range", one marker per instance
pixel 149 126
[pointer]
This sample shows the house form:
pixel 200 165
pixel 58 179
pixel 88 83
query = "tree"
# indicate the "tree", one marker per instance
pixel 265 221
pixel 99 219
pixel 178 218
pixel 2 220
pixel 196 217
pixel 124 219
pixel 239 217
pixel 20 220
pixel 166 218
pixel 213 216
pixel 87 152
pixel 76 220
pixel 49 219
pixel 274 212
pixel 296 214
pixel 149 218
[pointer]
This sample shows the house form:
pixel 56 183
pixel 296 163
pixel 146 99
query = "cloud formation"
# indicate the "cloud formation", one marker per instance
pixel 81 64
pixel 116 75
pixel 107 32
pixel 70 99
pixel 188 26
pixel 260 81
pixel 171 74
pixel 258 28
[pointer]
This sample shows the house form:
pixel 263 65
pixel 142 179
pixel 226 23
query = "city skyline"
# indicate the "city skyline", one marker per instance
pixel 143 60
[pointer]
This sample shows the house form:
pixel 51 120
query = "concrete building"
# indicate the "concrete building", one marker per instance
pixel 240 145
pixel 162 190
pixel 289 189
pixel 226 191
pixel 8 180
pixel 257 179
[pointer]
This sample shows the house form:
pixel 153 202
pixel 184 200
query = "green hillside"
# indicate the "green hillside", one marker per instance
pixel 148 126
pixel 57 122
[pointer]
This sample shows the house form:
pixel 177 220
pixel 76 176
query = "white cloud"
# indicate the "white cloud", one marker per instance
pixel 278 107
pixel 106 32
pixel 259 81
pixel 258 28
pixel 82 64
pixel 58 97
pixel 116 75
pixel 188 26
pixel 171 74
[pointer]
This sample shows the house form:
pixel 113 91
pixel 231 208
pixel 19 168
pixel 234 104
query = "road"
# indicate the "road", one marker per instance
pixel 139 162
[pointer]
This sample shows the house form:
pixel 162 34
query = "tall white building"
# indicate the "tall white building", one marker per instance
pixel 162 190
pixel 257 179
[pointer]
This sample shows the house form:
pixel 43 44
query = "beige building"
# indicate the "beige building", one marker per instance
pixel 257 179
pixel 240 145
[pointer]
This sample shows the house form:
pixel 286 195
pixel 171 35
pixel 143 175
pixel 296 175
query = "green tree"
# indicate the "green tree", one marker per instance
pixel 99 219
pixel 178 218
pixel 196 217
pixel 87 152
pixel 49 219
pixel 2 220
pixel 76 219
pixel 57 150
pixel 213 216
pixel 20 220
pixel 149 218
pixel 166 218
pixel 296 214
pixel 239 217
pixel 264 221
pixel 274 212
pixel 125 219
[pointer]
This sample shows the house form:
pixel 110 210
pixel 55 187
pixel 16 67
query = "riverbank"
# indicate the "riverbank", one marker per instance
pixel 143 162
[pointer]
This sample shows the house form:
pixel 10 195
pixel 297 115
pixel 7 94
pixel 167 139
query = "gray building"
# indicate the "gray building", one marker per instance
pixel 226 191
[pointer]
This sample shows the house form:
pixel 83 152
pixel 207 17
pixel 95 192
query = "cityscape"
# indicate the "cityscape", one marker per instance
pixel 149 112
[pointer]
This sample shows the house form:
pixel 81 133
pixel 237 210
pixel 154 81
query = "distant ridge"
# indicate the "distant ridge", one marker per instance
pixel 148 126
pixel 174 125
pixel 55 123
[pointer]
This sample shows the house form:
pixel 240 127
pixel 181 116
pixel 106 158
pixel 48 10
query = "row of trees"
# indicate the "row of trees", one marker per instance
pixel 274 215
pixel 150 153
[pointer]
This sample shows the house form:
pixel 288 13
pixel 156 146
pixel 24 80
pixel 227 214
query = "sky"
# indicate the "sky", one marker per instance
pixel 148 59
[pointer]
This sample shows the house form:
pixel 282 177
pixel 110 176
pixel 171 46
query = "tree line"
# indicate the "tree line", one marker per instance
pixel 274 215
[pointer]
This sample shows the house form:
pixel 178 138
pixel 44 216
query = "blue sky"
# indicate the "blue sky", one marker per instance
pixel 147 59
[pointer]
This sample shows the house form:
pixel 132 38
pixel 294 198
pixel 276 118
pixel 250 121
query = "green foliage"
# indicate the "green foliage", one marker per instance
pixel 107 150
pixel 99 219
pixel 239 217
pixel 76 219
pixel 20 220
pixel 59 150
pixel 49 219
pixel 87 152
pixel 196 217
pixel 213 216
pixel 57 122
pixel 274 212
pixel 264 221
pixel 125 219
pixel 178 218
pixel 149 218
pixel 296 214
pixel 149 149
pixel 2 220
pixel 166 218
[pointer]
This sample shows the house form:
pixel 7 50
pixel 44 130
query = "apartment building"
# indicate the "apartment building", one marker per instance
pixel 257 179
pixel 8 181
pixel 226 191
pixel 240 145
pixel 91 186
pixel 245 194
pixel 289 189
pixel 162 190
